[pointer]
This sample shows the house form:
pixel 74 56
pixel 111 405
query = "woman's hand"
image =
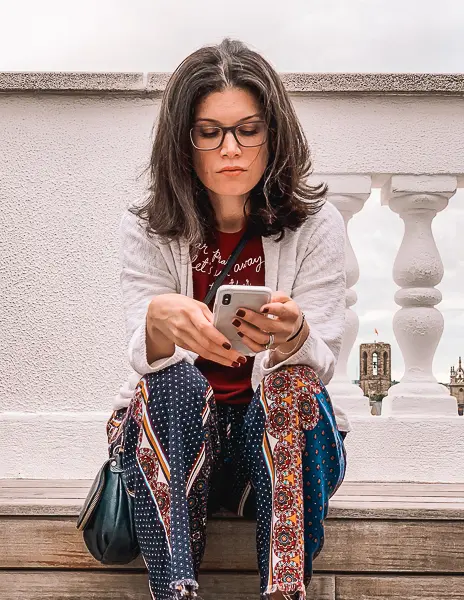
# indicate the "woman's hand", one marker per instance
pixel 188 323
pixel 254 328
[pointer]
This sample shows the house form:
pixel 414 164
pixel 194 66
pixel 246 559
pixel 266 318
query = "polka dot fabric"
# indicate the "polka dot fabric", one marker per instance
pixel 277 460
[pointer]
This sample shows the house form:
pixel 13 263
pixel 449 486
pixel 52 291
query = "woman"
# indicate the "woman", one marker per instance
pixel 206 426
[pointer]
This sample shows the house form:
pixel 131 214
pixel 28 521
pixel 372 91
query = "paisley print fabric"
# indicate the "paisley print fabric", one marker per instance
pixel 277 460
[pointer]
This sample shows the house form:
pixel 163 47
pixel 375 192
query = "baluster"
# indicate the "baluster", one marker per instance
pixel 348 193
pixel 418 268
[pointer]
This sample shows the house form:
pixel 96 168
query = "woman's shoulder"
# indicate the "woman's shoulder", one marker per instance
pixel 326 219
pixel 131 225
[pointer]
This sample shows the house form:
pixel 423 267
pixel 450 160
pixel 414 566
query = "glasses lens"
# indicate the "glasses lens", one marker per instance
pixel 252 134
pixel 206 137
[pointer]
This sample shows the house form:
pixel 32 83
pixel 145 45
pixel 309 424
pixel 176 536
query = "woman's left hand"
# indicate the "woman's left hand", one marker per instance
pixel 254 328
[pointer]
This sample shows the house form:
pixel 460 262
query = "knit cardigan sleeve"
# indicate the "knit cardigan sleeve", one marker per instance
pixel 144 274
pixel 319 291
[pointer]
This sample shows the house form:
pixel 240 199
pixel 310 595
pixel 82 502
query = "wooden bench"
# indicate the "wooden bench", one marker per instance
pixel 383 541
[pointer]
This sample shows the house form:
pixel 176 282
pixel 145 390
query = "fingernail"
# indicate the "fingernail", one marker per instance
pixel 239 333
pixel 265 310
pixel 226 345
pixel 240 313
pixel 236 323
pixel 242 360
pixel 235 364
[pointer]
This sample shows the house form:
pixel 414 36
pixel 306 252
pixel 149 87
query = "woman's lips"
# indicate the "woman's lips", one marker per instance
pixel 232 173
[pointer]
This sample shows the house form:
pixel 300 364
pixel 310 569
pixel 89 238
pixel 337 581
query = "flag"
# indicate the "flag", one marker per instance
pixel 376 332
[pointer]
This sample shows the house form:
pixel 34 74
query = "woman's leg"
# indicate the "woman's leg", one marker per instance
pixel 296 458
pixel 169 452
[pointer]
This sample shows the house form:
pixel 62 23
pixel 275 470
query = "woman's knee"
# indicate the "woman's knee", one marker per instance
pixel 294 378
pixel 182 380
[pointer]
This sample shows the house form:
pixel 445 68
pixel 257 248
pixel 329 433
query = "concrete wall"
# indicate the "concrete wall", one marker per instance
pixel 68 163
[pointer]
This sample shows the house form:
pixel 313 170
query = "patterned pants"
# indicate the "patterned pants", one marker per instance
pixel 277 460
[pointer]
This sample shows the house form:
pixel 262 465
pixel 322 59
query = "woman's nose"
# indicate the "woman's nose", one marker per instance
pixel 230 144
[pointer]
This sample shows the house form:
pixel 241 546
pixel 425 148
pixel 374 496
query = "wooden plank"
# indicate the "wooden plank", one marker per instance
pixel 374 546
pixel 94 585
pixel 337 510
pixel 399 489
pixel 407 500
pixel 347 488
pixel 401 588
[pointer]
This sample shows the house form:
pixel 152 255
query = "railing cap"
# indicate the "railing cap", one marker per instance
pixel 153 84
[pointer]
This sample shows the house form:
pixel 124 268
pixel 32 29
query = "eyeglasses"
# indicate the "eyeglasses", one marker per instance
pixel 210 137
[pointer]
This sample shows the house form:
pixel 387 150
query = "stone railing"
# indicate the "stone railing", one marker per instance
pixel 418 268
pixel 71 145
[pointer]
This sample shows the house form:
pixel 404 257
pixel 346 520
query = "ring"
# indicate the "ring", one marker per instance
pixel 270 342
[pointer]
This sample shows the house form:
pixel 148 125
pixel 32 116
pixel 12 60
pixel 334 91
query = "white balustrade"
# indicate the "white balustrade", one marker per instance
pixel 348 193
pixel 418 268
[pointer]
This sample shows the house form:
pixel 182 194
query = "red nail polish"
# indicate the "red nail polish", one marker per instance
pixel 226 345
pixel 265 310
pixel 236 323
pixel 240 334
pixel 240 313
pixel 235 364
pixel 242 360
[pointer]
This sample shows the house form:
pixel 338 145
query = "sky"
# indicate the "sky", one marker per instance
pixel 315 36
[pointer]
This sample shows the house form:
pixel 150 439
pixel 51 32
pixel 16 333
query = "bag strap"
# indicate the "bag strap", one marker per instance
pixel 209 296
pixel 227 267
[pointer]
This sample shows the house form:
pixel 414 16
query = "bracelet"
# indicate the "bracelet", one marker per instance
pixel 292 350
pixel 298 333
pixel 299 329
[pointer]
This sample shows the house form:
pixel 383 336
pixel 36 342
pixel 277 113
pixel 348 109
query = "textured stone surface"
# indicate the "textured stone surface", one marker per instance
pixel 397 83
pixel 69 81
pixel 69 165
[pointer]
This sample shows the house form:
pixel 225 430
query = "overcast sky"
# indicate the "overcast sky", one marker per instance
pixel 296 35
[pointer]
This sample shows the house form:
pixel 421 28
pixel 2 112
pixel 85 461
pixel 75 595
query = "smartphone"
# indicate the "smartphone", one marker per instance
pixel 229 298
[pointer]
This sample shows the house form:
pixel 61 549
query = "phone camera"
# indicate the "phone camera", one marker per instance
pixel 226 299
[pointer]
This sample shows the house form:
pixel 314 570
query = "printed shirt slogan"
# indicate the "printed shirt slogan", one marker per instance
pixel 211 263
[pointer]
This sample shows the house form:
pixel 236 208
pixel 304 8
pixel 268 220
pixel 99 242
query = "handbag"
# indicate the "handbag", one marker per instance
pixel 107 515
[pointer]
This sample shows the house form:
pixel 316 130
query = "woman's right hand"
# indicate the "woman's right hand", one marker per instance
pixel 188 323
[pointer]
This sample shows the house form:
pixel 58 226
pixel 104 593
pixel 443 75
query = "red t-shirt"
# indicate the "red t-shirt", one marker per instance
pixel 230 385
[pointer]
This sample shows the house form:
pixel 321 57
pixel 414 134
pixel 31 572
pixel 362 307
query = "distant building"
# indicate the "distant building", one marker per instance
pixel 456 385
pixel 375 368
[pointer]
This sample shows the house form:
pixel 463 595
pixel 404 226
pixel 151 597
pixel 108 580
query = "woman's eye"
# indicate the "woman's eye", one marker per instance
pixel 249 131
pixel 209 133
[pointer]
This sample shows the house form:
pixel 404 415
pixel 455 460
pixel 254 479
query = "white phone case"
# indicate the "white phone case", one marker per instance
pixel 241 296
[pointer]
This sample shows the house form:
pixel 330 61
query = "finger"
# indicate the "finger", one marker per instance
pixel 282 311
pixel 280 296
pixel 206 311
pixel 190 343
pixel 262 322
pixel 213 340
pixel 248 341
pixel 257 335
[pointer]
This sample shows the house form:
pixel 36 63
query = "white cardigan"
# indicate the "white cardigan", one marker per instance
pixel 308 265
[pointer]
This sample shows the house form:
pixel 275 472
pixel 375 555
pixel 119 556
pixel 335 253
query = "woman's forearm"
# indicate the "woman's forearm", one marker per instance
pixel 157 344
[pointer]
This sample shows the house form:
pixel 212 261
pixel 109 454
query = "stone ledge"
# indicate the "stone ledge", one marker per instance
pixel 153 84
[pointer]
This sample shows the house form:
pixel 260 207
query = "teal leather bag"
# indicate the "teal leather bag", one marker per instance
pixel 107 516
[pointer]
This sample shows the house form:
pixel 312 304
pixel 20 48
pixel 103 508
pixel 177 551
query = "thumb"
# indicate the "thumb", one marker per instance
pixel 280 296
pixel 207 313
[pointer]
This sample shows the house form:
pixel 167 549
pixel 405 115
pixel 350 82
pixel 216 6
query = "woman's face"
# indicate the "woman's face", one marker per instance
pixel 231 107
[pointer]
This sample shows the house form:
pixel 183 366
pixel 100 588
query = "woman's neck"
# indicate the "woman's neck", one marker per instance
pixel 229 212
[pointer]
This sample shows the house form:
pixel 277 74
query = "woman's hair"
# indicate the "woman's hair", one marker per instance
pixel 178 204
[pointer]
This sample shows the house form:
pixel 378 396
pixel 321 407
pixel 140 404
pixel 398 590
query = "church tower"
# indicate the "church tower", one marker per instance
pixel 375 368
pixel 456 385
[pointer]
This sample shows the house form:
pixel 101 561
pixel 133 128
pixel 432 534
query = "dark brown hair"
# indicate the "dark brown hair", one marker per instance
pixel 178 204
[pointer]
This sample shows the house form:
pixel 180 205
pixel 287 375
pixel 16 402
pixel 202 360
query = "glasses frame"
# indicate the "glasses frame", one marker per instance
pixel 233 130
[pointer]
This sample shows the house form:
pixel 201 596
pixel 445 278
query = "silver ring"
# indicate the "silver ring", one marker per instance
pixel 270 342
